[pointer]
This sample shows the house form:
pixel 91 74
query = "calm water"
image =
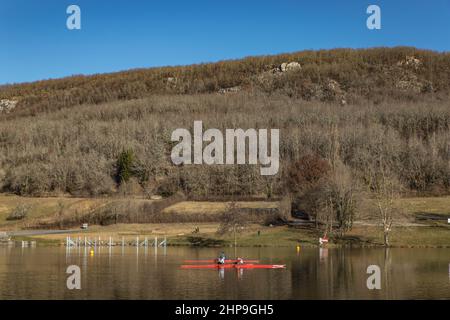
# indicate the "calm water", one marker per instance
pixel 39 273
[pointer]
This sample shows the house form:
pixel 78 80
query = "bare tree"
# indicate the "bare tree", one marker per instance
pixel 341 199
pixel 386 189
pixel 233 220
pixel 306 179
pixel 60 213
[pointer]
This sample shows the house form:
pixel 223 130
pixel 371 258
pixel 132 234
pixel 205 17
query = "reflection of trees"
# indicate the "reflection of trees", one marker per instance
pixel 387 272
pixel 341 274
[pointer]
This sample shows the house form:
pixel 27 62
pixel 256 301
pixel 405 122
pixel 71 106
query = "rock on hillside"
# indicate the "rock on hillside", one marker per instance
pixel 411 62
pixel 407 78
pixel 7 105
pixel 291 66
pixel 230 90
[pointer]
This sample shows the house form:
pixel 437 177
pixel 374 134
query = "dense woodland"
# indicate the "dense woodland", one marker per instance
pixel 345 113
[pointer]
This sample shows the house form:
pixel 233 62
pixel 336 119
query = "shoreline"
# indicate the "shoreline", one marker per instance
pixel 277 236
pixel 425 224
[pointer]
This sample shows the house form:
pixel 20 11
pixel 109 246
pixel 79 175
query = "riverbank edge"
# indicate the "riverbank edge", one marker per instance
pixel 284 236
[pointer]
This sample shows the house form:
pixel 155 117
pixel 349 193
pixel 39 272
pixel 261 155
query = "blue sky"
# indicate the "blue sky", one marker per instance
pixel 118 35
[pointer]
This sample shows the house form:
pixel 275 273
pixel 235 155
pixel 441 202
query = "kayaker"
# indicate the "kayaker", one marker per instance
pixel 221 259
pixel 239 261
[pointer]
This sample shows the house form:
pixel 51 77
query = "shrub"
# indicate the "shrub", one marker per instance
pixel 124 166
pixel 19 213
pixel 306 172
pixel 233 220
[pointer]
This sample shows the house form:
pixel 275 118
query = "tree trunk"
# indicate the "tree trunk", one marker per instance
pixel 235 250
pixel 386 238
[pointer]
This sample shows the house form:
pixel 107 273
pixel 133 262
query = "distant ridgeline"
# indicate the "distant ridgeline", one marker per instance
pixel 340 75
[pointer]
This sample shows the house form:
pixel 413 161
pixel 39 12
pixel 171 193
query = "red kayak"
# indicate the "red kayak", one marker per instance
pixel 237 266
pixel 215 261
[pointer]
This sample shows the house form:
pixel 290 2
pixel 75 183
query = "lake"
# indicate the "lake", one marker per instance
pixel 146 273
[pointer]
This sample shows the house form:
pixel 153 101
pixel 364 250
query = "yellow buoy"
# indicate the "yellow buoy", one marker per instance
pixel 91 252
pixel 298 249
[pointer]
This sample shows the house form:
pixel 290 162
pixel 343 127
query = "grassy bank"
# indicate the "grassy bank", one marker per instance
pixel 423 224
pixel 46 212
pixel 278 236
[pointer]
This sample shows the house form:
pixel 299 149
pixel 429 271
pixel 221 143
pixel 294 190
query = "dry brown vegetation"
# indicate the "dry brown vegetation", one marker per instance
pixel 75 150
pixel 377 74
pixel 346 107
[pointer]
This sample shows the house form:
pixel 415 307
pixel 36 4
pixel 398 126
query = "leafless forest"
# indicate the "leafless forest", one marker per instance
pixel 347 114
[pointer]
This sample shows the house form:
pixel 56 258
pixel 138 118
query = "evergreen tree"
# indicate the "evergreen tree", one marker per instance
pixel 124 166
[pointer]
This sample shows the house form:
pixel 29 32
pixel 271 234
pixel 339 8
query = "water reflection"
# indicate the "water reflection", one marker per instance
pixel 323 254
pixel 118 272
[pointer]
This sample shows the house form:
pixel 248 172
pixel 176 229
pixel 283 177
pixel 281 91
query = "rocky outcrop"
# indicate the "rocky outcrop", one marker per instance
pixel 404 75
pixel 291 66
pixel 273 73
pixel 406 78
pixel 7 105
pixel 410 62
pixel 230 90
pixel 333 92
pixel 283 68
pixel 171 82
pixel 330 90
pixel 411 82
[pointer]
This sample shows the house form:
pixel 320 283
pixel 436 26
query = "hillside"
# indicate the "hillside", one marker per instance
pixel 343 75
pixel 349 108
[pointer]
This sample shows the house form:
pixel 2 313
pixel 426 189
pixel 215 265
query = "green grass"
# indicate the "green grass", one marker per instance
pixel 284 236
pixel 431 233
pixel 288 237
pixel 425 236
pixel 431 210
pixel 281 236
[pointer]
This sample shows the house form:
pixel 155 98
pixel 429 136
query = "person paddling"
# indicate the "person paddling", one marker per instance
pixel 221 259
